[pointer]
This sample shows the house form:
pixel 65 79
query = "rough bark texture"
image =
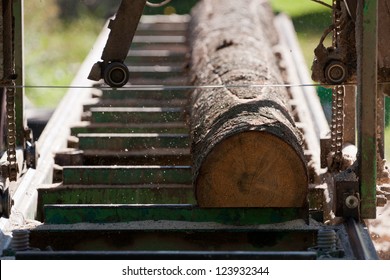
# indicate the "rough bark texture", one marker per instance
pixel 246 149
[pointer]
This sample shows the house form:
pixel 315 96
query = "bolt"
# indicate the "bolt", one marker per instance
pixel 352 202
pixel 20 240
pixel 326 239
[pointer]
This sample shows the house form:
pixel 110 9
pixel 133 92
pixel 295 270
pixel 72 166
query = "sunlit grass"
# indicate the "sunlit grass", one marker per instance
pixel 298 7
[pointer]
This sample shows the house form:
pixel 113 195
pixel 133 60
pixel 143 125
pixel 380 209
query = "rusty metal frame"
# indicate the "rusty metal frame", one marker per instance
pixel 123 29
pixel 21 123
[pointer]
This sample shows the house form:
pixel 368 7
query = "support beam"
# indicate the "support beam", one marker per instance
pixel 21 122
pixel 367 39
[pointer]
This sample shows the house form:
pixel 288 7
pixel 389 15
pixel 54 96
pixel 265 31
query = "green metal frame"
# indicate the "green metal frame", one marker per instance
pixel 156 194
pixel 367 29
pixel 126 175
pixel 70 214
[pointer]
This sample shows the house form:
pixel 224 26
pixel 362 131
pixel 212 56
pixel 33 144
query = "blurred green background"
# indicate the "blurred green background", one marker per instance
pixel 60 33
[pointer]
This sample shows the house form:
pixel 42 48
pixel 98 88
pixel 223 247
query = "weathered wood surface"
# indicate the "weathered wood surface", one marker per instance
pixel 246 149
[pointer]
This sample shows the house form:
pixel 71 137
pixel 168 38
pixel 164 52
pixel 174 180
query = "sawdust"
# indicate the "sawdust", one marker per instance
pixel 380 232
pixel 298 224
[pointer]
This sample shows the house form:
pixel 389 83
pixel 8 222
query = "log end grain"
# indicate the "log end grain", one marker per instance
pixel 252 169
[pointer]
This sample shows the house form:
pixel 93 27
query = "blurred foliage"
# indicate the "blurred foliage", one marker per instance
pixel 54 49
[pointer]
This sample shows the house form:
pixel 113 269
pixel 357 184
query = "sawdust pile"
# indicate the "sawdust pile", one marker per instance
pixel 380 232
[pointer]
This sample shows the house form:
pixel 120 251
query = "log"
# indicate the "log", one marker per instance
pixel 247 151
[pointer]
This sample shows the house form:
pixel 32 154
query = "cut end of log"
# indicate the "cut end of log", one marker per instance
pixel 252 169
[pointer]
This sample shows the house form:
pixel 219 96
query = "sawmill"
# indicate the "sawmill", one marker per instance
pixel 201 136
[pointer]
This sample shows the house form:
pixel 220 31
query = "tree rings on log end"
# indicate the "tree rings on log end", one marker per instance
pixel 252 169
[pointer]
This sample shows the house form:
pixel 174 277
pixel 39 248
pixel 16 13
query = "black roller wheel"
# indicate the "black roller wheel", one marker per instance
pixel 336 73
pixel 116 74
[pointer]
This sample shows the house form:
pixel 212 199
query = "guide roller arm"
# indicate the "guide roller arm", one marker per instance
pixel 112 69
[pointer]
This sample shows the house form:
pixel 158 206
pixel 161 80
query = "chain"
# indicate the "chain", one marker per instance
pixel 11 132
pixel 337 126
pixel 338 93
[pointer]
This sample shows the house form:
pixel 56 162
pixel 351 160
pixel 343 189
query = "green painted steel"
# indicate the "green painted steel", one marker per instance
pixel 136 102
pixel 163 157
pixel 160 57
pixel 367 26
pixel 136 115
pixel 150 194
pixel 69 214
pixel 124 93
pixel 179 128
pixel 161 72
pixel 126 175
pixel 131 141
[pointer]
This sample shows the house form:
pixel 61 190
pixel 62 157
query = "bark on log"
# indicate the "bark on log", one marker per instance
pixel 247 151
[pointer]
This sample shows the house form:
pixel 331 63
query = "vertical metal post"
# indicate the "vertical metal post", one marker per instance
pixel 366 29
pixel 19 70
pixel 1 42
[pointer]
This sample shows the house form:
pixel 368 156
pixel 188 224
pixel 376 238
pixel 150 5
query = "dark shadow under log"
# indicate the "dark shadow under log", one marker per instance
pixel 247 151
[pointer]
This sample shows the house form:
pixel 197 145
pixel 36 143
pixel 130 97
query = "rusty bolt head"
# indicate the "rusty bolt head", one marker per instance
pixel 352 202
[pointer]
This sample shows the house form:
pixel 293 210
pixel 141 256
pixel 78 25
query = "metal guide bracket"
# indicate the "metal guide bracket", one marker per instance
pixel 123 27
pixel 347 195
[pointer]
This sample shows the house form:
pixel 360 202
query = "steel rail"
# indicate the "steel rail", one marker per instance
pixel 360 240
pixel 166 255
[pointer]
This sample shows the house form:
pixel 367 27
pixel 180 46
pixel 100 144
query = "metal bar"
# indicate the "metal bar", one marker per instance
pixel 157 56
pixel 136 114
pixel 132 141
pixel 172 127
pixel 136 194
pixel 165 255
pixel 126 175
pixel 171 81
pixel 152 94
pixel 122 30
pixel 180 21
pixel 8 48
pixel 169 30
pixel 136 102
pixel 161 72
pixel 360 240
pixel 21 123
pixel 367 90
pixel 159 156
pixel 71 213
